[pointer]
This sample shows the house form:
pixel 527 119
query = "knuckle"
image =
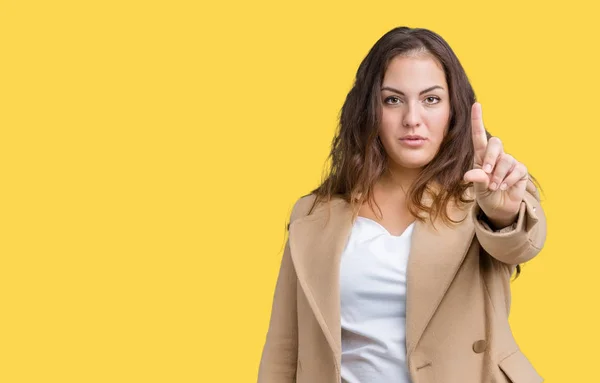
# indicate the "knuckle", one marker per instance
pixel 506 161
pixel 499 173
pixel 491 154
pixel 496 141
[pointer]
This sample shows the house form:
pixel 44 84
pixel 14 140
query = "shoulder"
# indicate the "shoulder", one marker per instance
pixel 302 206
pixel 307 204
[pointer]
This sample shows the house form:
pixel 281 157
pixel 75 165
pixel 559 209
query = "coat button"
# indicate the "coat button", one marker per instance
pixel 479 346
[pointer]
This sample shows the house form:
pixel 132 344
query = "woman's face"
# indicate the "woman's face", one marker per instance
pixel 415 111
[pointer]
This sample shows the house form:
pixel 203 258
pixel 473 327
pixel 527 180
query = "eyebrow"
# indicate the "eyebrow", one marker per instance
pixel 423 91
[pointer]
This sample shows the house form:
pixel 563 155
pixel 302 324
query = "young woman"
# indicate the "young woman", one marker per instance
pixel 397 267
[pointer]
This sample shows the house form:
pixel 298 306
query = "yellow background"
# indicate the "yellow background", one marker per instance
pixel 151 152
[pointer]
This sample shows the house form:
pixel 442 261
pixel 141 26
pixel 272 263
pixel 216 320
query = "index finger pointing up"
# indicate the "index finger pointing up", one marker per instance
pixel 478 131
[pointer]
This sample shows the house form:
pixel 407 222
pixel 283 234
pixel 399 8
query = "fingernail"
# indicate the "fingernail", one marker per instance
pixel 493 186
pixel 503 187
pixel 487 168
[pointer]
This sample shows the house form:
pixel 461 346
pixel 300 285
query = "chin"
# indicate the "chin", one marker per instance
pixel 412 163
pixel 415 166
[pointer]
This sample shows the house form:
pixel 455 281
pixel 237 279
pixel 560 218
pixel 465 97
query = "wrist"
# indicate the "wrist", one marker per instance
pixel 497 223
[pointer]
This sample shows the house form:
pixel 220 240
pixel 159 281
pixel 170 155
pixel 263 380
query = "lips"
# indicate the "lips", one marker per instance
pixel 413 141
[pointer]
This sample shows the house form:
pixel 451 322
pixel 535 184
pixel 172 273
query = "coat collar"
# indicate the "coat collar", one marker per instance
pixel 436 253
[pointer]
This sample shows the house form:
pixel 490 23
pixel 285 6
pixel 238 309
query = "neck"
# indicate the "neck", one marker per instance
pixel 398 179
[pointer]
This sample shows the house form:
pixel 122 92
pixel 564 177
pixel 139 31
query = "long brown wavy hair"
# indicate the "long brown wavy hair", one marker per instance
pixel 357 156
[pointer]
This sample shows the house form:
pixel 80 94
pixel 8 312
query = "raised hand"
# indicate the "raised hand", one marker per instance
pixel 499 180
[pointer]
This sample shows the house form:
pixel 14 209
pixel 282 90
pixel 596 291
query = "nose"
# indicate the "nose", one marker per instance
pixel 412 116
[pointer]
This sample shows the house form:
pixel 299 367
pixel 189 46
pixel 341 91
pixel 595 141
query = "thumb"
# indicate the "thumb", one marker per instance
pixel 479 177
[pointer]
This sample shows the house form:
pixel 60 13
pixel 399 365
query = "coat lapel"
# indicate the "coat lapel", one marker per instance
pixel 318 240
pixel 436 254
pixel 316 243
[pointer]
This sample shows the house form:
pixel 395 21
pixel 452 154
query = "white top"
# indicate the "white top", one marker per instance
pixel 373 304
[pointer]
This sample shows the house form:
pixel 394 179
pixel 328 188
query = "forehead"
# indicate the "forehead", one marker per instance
pixel 414 73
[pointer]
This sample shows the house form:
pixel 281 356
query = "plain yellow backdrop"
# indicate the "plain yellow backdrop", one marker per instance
pixel 151 152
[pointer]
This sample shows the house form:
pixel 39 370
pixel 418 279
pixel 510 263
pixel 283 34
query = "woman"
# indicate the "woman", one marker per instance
pixel 397 267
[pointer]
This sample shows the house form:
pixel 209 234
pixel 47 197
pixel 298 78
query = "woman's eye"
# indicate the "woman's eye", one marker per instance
pixel 392 98
pixel 435 99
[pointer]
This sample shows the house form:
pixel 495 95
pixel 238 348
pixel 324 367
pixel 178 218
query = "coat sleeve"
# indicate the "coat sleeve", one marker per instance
pixel 280 352
pixel 519 242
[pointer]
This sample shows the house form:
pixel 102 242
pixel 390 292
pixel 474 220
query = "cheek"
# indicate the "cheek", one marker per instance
pixel 438 126
pixel 387 128
pixel 388 121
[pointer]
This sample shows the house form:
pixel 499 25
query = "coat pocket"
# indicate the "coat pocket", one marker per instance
pixel 518 369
